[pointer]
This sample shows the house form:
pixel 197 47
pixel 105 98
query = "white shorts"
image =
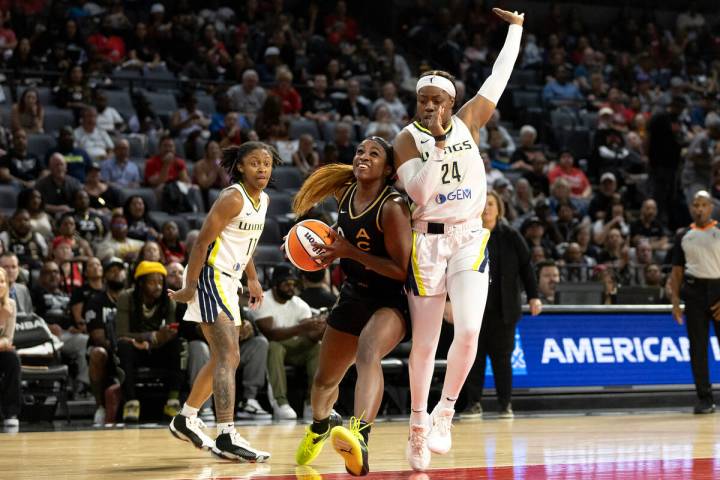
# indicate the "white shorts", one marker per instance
pixel 216 292
pixel 435 257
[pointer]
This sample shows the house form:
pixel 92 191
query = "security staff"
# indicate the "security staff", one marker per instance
pixel 509 267
pixel 696 275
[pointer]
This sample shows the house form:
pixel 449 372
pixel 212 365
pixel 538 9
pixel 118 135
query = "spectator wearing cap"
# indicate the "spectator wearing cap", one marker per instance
pixel 268 69
pixel 146 337
pixel 92 283
pixel 99 312
pixel 696 278
pixel 666 138
pixel 76 159
pixel 94 140
pixel 248 97
pixel 648 227
pixel 118 244
pixel 18 291
pixel 30 247
pixel 603 200
pixel 103 196
pixel 697 168
pixel 166 166
pixel 577 180
pixel 19 166
pixel 118 170
pixel 51 303
pixel 288 323
pixel 533 231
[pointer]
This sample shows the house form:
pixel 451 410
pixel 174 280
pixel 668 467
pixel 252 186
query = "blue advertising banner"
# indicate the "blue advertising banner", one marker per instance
pixel 602 349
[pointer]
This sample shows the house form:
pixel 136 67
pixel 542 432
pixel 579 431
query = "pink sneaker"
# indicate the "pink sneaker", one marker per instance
pixel 417 452
pixel 439 440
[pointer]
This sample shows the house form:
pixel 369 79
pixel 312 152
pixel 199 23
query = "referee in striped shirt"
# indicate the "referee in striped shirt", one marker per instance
pixel 696 277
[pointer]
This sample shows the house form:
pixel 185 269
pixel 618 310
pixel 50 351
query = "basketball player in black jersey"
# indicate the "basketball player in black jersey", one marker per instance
pixel 370 318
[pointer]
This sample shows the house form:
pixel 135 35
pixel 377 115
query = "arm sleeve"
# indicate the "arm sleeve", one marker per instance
pixel 495 84
pixel 421 181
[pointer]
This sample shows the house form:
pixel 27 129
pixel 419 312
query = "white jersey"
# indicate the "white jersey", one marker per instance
pixel 461 194
pixel 233 248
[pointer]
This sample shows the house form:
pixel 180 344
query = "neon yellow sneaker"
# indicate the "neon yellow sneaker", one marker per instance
pixel 350 444
pixel 312 443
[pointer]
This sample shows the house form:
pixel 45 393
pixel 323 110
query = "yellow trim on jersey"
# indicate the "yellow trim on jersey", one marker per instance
pixel 214 252
pixel 379 212
pixel 483 245
pixel 368 208
pixel 419 126
pixel 252 200
pixel 218 285
pixel 416 267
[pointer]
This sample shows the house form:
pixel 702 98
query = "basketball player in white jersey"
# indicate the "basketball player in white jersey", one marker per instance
pixel 440 168
pixel 222 252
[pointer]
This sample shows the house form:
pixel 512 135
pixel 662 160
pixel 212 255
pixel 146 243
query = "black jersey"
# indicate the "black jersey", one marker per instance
pixel 363 230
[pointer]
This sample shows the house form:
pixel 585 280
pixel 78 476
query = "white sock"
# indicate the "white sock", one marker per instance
pixel 447 402
pixel 225 428
pixel 419 417
pixel 189 411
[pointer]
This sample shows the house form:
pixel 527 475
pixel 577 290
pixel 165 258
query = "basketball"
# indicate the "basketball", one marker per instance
pixel 301 244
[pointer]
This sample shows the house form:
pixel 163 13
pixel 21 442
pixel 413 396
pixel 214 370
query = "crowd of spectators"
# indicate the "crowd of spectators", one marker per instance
pixel 601 138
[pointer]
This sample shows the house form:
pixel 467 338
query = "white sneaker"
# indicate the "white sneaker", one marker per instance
pixel 251 410
pixel 417 452
pixel 190 429
pixel 11 422
pixel 233 446
pixel 99 418
pixel 440 440
pixel 284 412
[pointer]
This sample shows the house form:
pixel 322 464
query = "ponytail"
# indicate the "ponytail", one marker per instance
pixel 325 181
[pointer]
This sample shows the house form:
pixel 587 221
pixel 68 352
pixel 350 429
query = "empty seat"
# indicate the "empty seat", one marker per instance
pixel 8 197
pixel 206 103
pixel 148 194
pixel 271 233
pixel 161 218
pixel 137 146
pixel 162 103
pixel 40 143
pixel 589 293
pixel 523 78
pixel 563 118
pixel 299 126
pixel 280 204
pixel 126 78
pixel 287 177
pixel 56 118
pixel 268 254
pixel 120 100
pixel 526 99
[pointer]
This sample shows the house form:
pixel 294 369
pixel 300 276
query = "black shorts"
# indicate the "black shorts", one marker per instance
pixel 355 306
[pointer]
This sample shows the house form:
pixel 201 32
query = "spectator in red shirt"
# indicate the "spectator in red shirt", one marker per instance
pixel 110 47
pixel 166 166
pixel 8 39
pixel 291 101
pixel 339 26
pixel 576 178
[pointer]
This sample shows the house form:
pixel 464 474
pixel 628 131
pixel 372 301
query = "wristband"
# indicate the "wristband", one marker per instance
pixel 441 138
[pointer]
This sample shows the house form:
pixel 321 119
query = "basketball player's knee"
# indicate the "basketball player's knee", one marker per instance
pixel 324 380
pixel 467 337
pixel 367 357
pixel 229 358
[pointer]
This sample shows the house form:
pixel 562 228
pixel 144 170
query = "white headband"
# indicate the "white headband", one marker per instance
pixel 436 81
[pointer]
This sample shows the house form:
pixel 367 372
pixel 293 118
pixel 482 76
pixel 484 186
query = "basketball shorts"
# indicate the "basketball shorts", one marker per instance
pixel 437 256
pixel 216 292
pixel 355 306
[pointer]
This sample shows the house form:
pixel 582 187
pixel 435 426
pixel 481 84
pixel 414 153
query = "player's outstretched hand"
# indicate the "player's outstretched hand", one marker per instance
pixel 510 17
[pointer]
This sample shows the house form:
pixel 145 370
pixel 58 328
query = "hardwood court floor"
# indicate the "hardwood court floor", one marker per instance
pixel 671 445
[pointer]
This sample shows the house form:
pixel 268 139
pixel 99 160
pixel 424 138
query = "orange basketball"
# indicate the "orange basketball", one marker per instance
pixel 301 244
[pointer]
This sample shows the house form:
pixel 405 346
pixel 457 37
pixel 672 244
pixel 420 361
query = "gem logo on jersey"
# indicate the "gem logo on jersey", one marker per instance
pixel 459 194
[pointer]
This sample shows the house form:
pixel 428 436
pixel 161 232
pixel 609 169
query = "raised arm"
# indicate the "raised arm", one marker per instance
pixel 476 112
